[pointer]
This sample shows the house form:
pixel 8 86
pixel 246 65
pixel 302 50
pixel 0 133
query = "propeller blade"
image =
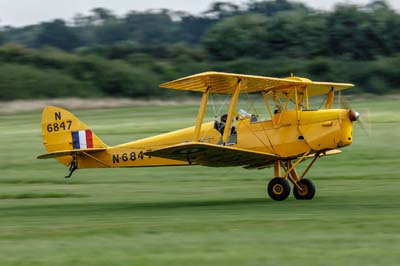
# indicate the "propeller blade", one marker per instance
pixel 343 103
pixel 364 122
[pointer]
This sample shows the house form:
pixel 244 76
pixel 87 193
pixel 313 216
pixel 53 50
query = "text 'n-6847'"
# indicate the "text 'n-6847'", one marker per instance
pixel 59 126
pixel 132 156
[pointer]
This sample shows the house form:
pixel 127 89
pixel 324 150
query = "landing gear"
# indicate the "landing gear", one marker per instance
pixel 278 189
pixel 303 189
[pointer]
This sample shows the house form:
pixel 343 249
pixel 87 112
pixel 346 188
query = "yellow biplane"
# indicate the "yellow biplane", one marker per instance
pixel 293 132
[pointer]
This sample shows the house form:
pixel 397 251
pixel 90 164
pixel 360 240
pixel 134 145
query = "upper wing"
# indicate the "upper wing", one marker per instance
pixel 213 155
pixel 319 88
pixel 224 83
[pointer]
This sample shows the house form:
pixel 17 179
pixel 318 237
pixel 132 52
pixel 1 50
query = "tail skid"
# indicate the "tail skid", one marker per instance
pixel 72 167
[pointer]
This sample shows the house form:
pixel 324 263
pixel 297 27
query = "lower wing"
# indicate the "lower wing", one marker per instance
pixel 213 155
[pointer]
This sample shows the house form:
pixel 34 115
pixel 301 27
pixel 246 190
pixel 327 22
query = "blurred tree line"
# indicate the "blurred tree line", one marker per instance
pixel 101 54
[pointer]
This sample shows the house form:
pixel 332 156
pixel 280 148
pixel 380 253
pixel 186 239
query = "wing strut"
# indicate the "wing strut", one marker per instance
pixel 231 112
pixel 200 116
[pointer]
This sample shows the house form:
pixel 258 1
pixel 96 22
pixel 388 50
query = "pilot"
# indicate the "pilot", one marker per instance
pixel 220 126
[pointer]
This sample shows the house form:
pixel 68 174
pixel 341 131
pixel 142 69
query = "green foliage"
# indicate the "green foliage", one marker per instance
pixel 129 55
pixel 77 75
pixel 28 82
pixel 271 8
pixel 231 38
pixel 2 38
pixel 121 79
pixel 112 31
pixel 25 36
pixel 298 32
pixel 57 34
pixel 192 28
pixel 151 28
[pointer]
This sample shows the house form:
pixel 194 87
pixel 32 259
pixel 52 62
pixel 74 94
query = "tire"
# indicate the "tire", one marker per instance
pixel 278 189
pixel 308 192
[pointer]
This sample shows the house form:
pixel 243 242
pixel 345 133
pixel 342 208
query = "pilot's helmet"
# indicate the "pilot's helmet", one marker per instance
pixel 224 117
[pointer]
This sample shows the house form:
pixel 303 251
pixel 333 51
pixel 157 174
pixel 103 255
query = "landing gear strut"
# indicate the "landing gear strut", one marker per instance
pixel 303 189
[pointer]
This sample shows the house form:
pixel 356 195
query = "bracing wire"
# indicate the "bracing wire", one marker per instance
pixel 213 106
pixel 216 112
pixel 262 124
pixel 323 101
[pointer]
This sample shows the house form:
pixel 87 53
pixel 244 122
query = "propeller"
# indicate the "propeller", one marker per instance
pixel 362 120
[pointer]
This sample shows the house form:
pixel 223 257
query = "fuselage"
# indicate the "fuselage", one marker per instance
pixel 288 135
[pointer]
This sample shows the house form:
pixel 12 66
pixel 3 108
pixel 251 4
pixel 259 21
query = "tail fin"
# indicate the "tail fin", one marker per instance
pixel 62 131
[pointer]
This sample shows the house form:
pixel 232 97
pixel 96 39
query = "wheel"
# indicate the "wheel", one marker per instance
pixel 278 188
pixel 308 191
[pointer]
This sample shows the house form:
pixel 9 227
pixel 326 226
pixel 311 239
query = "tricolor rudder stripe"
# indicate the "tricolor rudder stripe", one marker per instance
pixel 82 139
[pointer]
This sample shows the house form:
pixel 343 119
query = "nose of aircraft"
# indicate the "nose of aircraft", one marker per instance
pixel 354 116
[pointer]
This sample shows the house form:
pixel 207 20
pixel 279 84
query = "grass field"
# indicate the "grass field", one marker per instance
pixel 196 215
